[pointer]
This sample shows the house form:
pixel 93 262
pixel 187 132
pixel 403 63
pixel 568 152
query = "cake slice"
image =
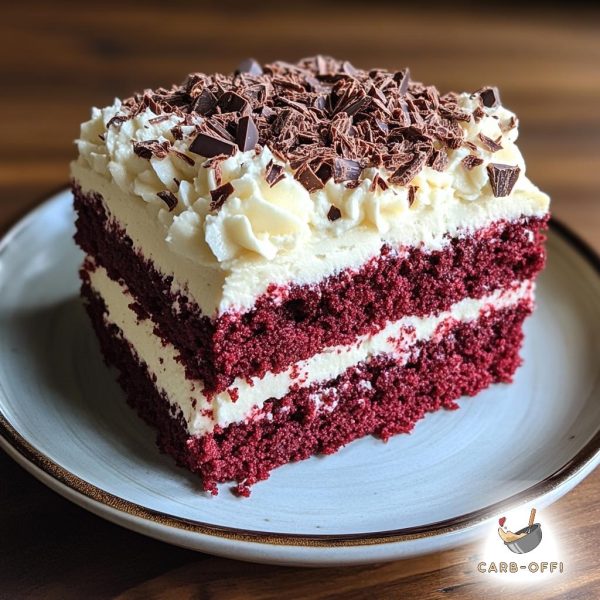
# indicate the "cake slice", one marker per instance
pixel 288 258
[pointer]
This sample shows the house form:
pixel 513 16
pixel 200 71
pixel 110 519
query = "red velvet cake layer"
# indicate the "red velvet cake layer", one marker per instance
pixel 272 336
pixel 380 397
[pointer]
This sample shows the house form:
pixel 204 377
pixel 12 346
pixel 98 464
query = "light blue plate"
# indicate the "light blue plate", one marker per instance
pixel 63 418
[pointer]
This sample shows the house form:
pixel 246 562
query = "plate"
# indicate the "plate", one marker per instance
pixel 64 419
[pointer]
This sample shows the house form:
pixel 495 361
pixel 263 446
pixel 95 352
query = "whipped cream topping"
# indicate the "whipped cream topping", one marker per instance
pixel 257 222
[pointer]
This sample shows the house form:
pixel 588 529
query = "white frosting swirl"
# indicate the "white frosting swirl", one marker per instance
pixel 257 220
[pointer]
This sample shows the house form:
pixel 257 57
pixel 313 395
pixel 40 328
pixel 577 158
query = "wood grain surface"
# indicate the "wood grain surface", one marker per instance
pixel 58 59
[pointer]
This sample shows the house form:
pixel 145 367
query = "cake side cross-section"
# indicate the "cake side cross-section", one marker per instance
pixel 286 240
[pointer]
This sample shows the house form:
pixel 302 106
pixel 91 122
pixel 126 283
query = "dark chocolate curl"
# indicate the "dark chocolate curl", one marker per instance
pixel 219 195
pixel 247 134
pixel 209 146
pixel 307 177
pixel 334 213
pixel 345 169
pixel 490 97
pixel 169 198
pixel 502 178
pixel 274 174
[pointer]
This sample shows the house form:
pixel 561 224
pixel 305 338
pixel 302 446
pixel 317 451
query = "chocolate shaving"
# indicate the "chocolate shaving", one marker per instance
pixel 267 113
pixel 177 132
pixel 438 160
pixel 158 119
pixel 211 145
pixel 382 126
pixel 184 157
pixel 221 128
pixel 334 213
pixel 247 134
pixel 478 114
pixel 378 182
pixel 324 172
pixel 219 195
pixel 218 173
pixel 471 161
pixel 345 169
pixel 274 173
pixel 406 173
pixel 117 120
pixel 502 178
pixel 205 103
pixel 403 79
pixel 349 69
pixel 232 102
pixel 490 97
pixel 489 144
pixel 151 149
pixel 169 198
pixel 353 105
pixel 307 177
pixel 322 65
pixel 412 194
pixel 512 123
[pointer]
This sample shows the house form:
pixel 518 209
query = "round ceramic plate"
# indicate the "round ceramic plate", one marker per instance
pixel 63 417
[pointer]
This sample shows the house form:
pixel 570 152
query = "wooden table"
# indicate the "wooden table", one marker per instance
pixel 58 59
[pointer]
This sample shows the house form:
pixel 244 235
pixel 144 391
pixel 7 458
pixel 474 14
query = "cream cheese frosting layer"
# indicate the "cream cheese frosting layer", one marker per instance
pixel 175 243
pixel 201 413
pixel 260 221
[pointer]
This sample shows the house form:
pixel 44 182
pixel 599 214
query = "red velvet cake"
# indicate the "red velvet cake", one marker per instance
pixel 290 257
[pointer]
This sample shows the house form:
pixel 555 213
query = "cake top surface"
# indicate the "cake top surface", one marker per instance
pixel 283 162
pixel 325 117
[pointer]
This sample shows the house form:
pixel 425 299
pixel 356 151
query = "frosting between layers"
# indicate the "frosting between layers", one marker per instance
pixel 217 290
pixel 261 222
pixel 202 414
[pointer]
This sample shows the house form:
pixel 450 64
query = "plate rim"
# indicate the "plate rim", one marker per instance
pixel 10 438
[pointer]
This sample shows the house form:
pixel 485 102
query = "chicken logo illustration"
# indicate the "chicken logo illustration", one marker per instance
pixel 524 540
